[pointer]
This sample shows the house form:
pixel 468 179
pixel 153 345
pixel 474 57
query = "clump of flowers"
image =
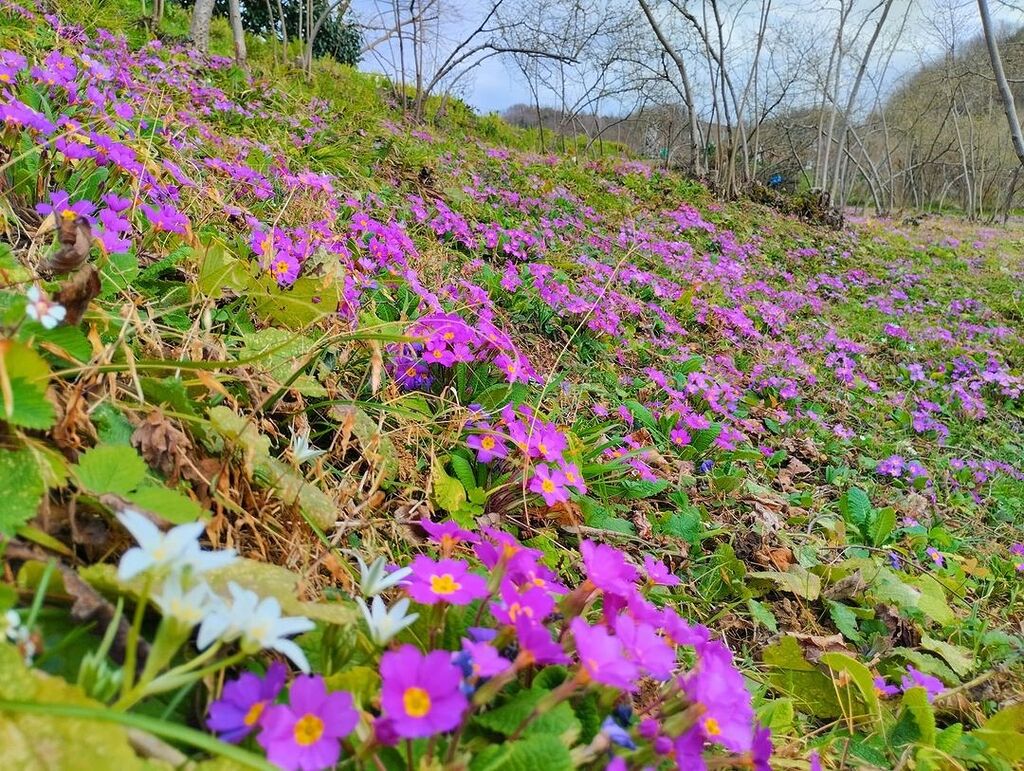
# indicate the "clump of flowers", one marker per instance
pixel 526 443
pixel 446 339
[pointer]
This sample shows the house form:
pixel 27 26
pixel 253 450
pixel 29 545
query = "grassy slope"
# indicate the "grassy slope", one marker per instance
pixel 729 530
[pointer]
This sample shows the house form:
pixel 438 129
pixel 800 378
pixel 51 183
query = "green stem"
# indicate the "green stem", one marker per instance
pixel 131 653
pixel 172 731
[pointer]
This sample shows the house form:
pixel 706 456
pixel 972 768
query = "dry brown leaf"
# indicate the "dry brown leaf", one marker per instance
pixel 788 473
pixel 75 237
pixel 816 645
pixel 77 292
pixel 162 444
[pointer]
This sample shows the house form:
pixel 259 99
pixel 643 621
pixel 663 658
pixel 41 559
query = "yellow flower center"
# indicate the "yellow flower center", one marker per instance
pixel 547 486
pixel 308 730
pixel 416 702
pixel 711 727
pixel 254 713
pixel 543 448
pixel 515 609
pixel 4 77
pixel 449 335
pixel 438 354
pixel 68 214
pixel 444 584
pixel 487 442
pixel 570 477
pixel 410 372
pixel 447 542
pixel 280 267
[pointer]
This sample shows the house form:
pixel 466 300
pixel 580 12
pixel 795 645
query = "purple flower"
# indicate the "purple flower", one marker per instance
pixel 689 750
pixel 238 711
pixel 574 477
pixel 936 556
pixel 602 656
pixel 644 646
pixel 718 686
pixel 484 659
pixel 815 760
pixel 444 581
pixel 62 208
pixel 306 733
pixel 915 678
pixel 883 689
pixel 488 446
pixel 761 753
pixel 447 534
pixel 166 218
pixel 679 436
pixel 534 603
pixel 547 442
pixel 550 485
pixel 535 643
pixel 420 693
pixel 608 569
pixel 657 573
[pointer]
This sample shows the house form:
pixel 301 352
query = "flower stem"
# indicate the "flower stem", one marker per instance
pixel 131 653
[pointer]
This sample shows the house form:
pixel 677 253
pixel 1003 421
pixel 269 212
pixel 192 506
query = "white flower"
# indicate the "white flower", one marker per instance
pixel 187 607
pixel 40 308
pixel 301 449
pixel 177 549
pixel 11 625
pixel 374 580
pixel 259 624
pixel 383 623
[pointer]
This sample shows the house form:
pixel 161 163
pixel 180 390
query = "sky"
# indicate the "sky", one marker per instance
pixel 496 85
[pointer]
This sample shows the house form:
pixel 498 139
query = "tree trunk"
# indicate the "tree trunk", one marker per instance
pixel 237 32
pixel 696 149
pixel 1004 87
pixel 199 30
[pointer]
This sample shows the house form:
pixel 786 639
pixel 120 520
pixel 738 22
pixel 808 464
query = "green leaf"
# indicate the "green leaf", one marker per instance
pixel 855 506
pixel 915 705
pixel 932 601
pixel 949 737
pixel 796 580
pixel 169 504
pixel 777 714
pixel 760 613
pixel 23 489
pixel 845 620
pixel 71 340
pixel 376 445
pixel 959 658
pixel 110 469
pixel 686 524
pixel 448 492
pixel 40 741
pixel 792 675
pixel 118 273
pixel 634 489
pixel 28 406
pixel 464 471
pixel 219 270
pixel 1004 732
pixel 642 414
pixel 275 581
pixel 882 525
pixel 543 751
pixel 362 682
pixel 861 677
pixel 280 353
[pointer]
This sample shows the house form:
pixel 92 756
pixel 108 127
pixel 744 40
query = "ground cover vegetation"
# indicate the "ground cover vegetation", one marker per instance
pixel 331 440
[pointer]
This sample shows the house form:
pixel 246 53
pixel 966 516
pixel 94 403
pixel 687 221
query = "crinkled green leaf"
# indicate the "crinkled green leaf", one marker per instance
pixel 959 658
pixel 23 489
pixel 51 743
pixel 860 676
pixel 26 405
pixel 542 751
pixel 448 492
pixel 110 469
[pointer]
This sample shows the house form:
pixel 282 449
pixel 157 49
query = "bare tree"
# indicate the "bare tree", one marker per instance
pixel 1001 83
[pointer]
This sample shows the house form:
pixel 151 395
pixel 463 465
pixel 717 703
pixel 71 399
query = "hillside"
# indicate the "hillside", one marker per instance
pixel 328 439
